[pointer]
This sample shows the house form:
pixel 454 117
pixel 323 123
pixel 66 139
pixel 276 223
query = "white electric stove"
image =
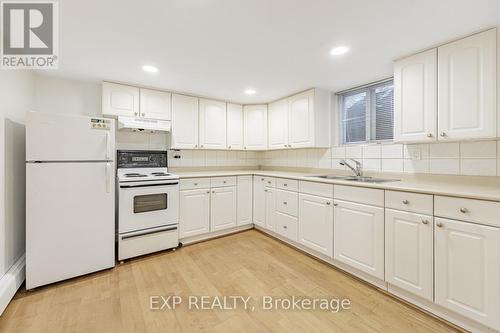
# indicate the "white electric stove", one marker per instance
pixel 148 203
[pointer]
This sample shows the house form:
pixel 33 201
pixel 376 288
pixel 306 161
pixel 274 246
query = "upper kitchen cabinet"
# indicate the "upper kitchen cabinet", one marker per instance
pixel 184 122
pixel 300 121
pixel 255 127
pixel 415 100
pixel 278 124
pixel 234 126
pixel 309 119
pixel 155 104
pixel 212 128
pixel 120 100
pixel 467 87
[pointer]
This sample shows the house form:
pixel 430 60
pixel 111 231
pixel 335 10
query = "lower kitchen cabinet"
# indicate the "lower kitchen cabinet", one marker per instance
pixel 194 212
pixel 259 201
pixel 244 205
pixel 270 194
pixel 408 252
pixel 467 270
pixel 359 237
pixel 286 225
pixel 316 223
pixel 223 208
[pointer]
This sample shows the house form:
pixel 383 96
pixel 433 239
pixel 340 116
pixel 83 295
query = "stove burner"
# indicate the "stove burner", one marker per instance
pixel 160 174
pixel 134 174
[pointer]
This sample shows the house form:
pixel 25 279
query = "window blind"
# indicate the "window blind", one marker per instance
pixel 367 114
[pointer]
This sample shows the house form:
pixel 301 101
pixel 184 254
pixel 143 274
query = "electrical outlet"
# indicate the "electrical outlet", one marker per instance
pixel 414 152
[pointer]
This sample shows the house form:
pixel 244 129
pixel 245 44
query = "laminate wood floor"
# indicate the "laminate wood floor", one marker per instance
pixel 249 264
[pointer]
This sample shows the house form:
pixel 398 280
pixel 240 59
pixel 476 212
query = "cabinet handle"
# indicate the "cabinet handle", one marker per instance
pixel 284 227
pixel 213 191
pixel 224 182
pixel 286 146
pixel 443 134
pixel 335 204
pixel 135 113
pixel 196 146
pixel 439 225
pixel 406 202
pixel 262 179
pixel 144 115
pixel 429 135
pixel 463 210
pixel 265 190
pixel 425 222
pixel 229 147
pixel 244 147
pixel 285 184
pixel 269 182
pixel 208 192
pixel 201 146
pixel 328 202
pixel 284 202
pixel 195 184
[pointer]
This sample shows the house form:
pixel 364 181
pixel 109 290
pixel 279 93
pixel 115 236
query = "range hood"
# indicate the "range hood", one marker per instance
pixel 143 124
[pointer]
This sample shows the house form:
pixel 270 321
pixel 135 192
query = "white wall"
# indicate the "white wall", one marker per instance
pixel 16 96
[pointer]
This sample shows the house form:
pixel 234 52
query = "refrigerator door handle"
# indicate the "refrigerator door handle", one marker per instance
pixel 108 146
pixel 108 178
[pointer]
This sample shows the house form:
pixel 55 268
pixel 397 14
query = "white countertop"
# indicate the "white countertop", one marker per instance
pixel 474 188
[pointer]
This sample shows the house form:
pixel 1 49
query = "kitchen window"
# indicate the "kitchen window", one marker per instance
pixel 367 113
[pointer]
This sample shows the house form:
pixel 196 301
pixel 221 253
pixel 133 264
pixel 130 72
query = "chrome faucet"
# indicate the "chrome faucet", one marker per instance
pixel 358 170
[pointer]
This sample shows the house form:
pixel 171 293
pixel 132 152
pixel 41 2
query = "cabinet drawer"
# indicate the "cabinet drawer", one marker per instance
pixel 319 189
pixel 268 181
pixel 286 226
pixel 194 183
pixel 477 211
pixel 287 202
pixel 222 181
pixel 410 202
pixel 287 184
pixel 363 195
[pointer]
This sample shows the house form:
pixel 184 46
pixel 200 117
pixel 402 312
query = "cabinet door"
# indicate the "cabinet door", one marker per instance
pixel 255 127
pixel 156 104
pixel 415 99
pixel 301 122
pixel 278 124
pixel 194 212
pixel 270 208
pixel 184 122
pixel 223 208
pixel 120 100
pixel 467 270
pixel 245 185
pixel 359 237
pixel 467 87
pixel 234 126
pixel 408 252
pixel 316 223
pixel 259 201
pixel 212 124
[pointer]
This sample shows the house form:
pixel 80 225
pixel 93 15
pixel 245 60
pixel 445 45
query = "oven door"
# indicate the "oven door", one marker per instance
pixel 144 206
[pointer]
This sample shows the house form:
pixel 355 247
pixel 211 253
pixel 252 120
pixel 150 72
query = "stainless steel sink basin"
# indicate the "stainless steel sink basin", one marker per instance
pixel 357 179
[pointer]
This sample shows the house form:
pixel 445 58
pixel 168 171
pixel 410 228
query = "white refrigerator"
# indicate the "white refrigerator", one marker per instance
pixel 70 199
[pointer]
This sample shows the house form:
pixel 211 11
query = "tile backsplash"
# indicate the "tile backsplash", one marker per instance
pixel 481 158
pixel 477 158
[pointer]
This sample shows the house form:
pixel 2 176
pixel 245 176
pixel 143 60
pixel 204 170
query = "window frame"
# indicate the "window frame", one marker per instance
pixel 370 112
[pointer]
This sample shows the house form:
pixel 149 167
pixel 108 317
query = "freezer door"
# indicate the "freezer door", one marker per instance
pixel 70 223
pixel 53 137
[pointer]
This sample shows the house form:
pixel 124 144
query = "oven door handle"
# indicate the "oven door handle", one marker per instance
pixel 148 185
pixel 149 232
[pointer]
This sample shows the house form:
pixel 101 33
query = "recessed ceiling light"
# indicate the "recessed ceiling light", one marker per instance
pixel 150 69
pixel 339 50
pixel 250 92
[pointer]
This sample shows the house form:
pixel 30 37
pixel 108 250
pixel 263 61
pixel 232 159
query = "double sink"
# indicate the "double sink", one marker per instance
pixel 359 179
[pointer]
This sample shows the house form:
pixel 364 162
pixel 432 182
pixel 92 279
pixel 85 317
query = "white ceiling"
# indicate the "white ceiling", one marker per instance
pixel 218 48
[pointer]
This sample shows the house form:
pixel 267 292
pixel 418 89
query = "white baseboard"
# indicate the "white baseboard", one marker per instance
pixel 214 234
pixel 11 281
